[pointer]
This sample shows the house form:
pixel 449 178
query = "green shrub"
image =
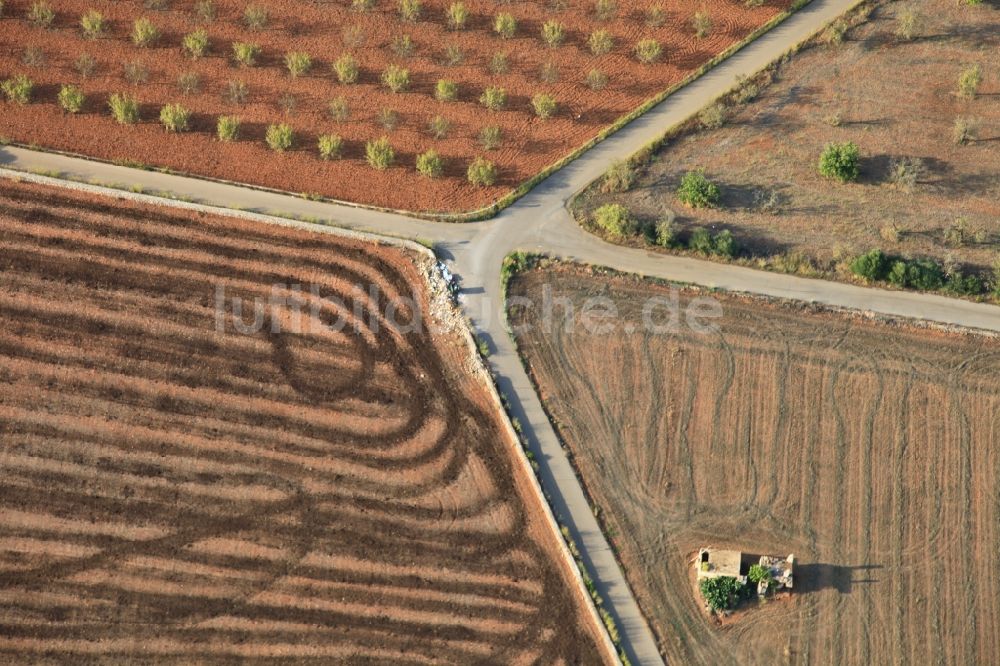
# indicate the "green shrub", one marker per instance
pixel 964 285
pixel 255 17
pixel 697 191
pixel 907 24
pixel 457 15
pixel 722 593
pixel 85 65
pixel 446 91
pixel 453 55
pixel 236 92
pixel 409 10
pixel 41 15
pixel 544 104
pixel 330 146
pixel 204 11
pixel 362 5
pixel 923 274
pixel 144 33
pixel 71 98
pixel 245 53
pixel 403 46
pixel 481 172
pixel 396 78
pixel 665 233
pixel 430 164
pixel 379 153
pixel 228 128
pixel 596 79
pixel 724 245
pixel 195 43
pixel 124 108
pixel 616 220
pixel 439 127
pixel 701 241
pixel 619 177
pixel 758 573
pixel 553 33
pixel 656 16
pixel 490 137
pixel 499 63
pixel 135 72
pixel 714 116
pixel 549 72
pixel 339 109
pixel 963 131
pixel 702 24
pixel 600 42
pixel 648 51
pixel 298 63
pixel 388 119
pixel 505 25
pixel 18 89
pixel 841 161
pixel 872 265
pixel 493 98
pixel 605 9
pixel 346 68
pixel 175 117
pixel 968 82
pixel 279 137
pixel 93 24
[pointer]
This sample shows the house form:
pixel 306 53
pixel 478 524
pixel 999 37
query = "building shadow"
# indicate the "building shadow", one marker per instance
pixel 818 576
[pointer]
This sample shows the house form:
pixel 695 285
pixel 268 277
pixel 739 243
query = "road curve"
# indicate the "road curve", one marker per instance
pixel 540 222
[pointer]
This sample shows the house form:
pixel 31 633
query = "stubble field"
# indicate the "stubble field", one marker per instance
pixel 870 450
pixel 173 493
pixel 328 31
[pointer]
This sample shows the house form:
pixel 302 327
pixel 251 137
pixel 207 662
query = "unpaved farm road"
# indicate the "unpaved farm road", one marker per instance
pixel 540 222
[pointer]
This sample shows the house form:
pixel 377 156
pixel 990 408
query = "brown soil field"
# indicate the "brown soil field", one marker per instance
pixel 895 99
pixel 326 30
pixel 870 450
pixel 178 492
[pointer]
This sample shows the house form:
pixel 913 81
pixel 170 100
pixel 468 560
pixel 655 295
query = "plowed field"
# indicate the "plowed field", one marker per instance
pixel 870 450
pixel 326 31
pixel 170 492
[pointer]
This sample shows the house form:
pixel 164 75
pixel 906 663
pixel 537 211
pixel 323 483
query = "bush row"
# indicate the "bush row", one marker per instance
pixel 145 33
pixel 619 223
pixel 921 273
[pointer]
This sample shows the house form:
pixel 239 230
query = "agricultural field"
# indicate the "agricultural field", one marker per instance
pixel 189 479
pixel 915 85
pixel 870 450
pixel 327 71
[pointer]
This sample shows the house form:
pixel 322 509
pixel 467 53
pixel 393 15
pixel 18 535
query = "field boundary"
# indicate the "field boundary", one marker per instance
pixel 492 209
pixel 605 644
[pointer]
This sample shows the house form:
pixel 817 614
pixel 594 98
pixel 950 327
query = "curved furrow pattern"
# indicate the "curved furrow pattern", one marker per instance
pixel 182 477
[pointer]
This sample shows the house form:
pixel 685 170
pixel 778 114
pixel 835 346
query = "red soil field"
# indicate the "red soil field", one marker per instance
pixel 870 450
pixel 326 30
pixel 175 493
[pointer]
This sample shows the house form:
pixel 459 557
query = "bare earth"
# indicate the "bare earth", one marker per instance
pixel 894 99
pixel 175 493
pixel 870 450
